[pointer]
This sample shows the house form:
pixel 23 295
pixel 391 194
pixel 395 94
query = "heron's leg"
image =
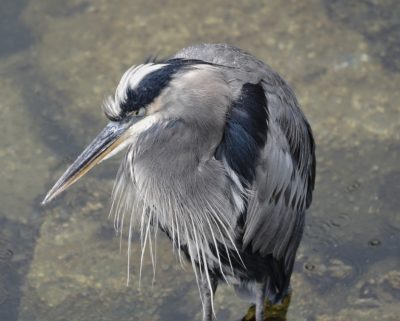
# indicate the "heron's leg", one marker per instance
pixel 207 296
pixel 260 298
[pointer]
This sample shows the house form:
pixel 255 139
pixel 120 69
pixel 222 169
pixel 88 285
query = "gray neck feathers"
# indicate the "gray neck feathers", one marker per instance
pixel 170 179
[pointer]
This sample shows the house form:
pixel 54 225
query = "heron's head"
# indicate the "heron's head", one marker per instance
pixel 150 96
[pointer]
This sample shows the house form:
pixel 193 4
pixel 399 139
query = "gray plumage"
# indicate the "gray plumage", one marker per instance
pixel 220 158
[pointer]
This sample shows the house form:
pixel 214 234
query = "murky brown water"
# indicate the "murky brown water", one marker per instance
pixel 59 59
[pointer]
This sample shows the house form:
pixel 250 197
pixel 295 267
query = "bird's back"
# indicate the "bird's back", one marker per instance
pixel 272 224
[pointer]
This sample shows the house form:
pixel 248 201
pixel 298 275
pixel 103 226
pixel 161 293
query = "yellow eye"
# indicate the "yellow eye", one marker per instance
pixel 139 112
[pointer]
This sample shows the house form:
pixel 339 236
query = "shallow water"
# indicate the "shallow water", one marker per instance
pixel 59 59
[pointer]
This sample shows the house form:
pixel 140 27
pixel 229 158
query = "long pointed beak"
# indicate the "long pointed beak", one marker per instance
pixel 107 141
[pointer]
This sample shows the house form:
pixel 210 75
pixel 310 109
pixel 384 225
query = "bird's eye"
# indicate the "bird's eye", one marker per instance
pixel 139 112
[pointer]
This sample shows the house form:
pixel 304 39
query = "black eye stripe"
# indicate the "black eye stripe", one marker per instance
pixel 149 88
pixel 152 84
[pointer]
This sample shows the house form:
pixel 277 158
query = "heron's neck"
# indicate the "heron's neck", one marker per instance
pixel 177 166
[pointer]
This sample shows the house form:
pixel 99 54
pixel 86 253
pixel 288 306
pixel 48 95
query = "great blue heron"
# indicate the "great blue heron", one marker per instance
pixel 220 158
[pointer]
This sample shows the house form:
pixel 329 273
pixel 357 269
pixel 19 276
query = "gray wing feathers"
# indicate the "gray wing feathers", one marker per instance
pixel 284 177
pixel 275 211
pixel 286 169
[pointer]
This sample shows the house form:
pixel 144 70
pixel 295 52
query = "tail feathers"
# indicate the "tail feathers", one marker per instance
pixel 247 292
pixel 274 295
